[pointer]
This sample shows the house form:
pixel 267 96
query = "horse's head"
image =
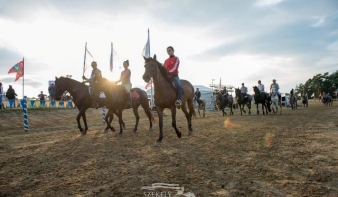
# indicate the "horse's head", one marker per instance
pixel 59 87
pixel 255 89
pixel 151 64
pixel 237 92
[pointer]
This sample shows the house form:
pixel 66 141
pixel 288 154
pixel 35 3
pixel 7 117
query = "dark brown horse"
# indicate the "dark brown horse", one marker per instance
pixel 243 101
pixel 165 95
pixel 82 100
pixel 262 98
pixel 224 101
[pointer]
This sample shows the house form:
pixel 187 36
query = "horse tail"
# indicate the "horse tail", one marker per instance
pixel 145 104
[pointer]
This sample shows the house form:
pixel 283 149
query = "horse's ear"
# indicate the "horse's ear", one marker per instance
pixel 56 78
pixel 144 57
pixel 154 57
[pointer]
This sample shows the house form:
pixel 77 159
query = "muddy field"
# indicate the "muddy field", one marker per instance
pixel 293 154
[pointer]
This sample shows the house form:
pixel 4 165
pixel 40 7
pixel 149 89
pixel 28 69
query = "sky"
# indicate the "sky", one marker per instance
pixel 234 42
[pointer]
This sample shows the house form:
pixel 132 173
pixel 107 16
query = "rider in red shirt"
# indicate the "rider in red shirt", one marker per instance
pixel 172 64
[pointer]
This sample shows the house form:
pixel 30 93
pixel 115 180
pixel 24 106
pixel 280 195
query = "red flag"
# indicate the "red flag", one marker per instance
pixel 18 69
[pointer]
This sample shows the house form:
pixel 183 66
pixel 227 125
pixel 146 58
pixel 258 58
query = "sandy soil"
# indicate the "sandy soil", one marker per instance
pixel 293 154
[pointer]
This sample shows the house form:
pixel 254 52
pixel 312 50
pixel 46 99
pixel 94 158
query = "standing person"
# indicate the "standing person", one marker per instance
pixel 51 91
pixel 94 95
pixel 1 93
pixel 125 81
pixel 276 86
pixel 10 94
pixel 244 91
pixel 260 86
pixel 197 95
pixel 41 97
pixel 172 64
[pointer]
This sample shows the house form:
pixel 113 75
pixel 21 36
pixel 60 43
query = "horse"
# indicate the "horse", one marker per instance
pixel 243 101
pixel 275 101
pixel 262 98
pixel 293 101
pixel 165 95
pixel 305 101
pixel 82 100
pixel 201 106
pixel 327 100
pixel 224 101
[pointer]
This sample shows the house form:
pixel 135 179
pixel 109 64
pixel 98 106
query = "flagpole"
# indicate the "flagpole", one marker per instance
pixel 23 78
pixel 84 61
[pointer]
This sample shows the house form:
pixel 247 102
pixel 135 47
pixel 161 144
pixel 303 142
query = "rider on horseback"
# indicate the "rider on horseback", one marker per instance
pixel 125 81
pixel 197 96
pixel 244 91
pixel 96 74
pixel 276 86
pixel 224 91
pixel 172 64
pixel 260 86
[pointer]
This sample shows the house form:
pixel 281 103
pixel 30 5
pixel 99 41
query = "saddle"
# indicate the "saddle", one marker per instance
pixel 174 87
pixel 101 95
pixel 134 95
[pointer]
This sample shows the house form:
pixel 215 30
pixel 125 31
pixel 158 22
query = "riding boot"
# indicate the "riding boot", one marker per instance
pixel 95 103
pixel 129 101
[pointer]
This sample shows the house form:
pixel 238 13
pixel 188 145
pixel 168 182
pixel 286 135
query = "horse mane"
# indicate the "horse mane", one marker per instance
pixel 72 80
pixel 160 66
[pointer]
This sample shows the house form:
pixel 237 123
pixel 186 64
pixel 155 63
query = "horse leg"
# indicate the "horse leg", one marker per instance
pixel 109 114
pixel 135 110
pixel 257 108
pixel 111 117
pixel 78 118
pixel 119 115
pixel 145 106
pixel 188 117
pixel 249 106
pixel 263 107
pixel 173 121
pixel 203 108
pixel 231 112
pixel 160 124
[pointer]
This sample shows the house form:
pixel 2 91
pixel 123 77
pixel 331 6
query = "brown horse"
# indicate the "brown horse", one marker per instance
pixel 165 94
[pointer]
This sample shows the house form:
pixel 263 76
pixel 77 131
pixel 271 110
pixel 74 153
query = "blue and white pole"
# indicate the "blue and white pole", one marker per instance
pixel 25 114
pixel 103 114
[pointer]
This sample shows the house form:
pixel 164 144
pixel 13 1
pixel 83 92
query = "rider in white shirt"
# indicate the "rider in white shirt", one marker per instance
pixel 276 86
pixel 260 86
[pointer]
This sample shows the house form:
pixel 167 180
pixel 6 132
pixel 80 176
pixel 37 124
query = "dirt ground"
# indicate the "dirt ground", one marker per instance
pixel 293 154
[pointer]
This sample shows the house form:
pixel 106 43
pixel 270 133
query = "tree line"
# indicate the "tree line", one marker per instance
pixel 319 83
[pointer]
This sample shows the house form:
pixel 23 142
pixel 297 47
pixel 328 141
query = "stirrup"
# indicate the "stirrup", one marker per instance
pixel 178 103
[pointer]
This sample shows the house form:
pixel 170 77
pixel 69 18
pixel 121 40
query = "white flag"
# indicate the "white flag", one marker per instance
pixel 313 94
pixel 146 49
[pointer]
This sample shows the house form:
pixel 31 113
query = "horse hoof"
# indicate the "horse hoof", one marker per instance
pixel 158 142
pixel 119 135
pixel 179 135
pixel 134 131
pixel 106 130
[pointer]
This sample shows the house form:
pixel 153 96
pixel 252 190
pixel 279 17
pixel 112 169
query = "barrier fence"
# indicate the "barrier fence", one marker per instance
pixel 15 103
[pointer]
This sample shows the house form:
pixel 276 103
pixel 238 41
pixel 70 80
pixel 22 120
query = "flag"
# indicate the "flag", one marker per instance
pixel 313 94
pixel 111 57
pixel 18 69
pixel 85 55
pixel 146 49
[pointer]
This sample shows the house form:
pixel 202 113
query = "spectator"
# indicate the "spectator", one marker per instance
pixel 10 94
pixel 42 98
pixel 51 91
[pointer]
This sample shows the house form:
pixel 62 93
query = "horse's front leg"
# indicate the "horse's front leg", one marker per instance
pixel 78 118
pixel 160 124
pixel 264 109
pixel 173 121
pixel 257 108
pixel 119 114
